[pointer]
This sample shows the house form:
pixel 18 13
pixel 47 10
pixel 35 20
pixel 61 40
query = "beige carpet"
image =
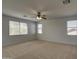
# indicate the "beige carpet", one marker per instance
pixel 39 50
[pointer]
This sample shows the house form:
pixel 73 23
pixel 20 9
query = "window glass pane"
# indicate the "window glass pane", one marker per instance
pixel 13 28
pixel 72 27
pixel 23 28
pixel 72 23
pixel 39 28
pixel 72 31
pixel 32 28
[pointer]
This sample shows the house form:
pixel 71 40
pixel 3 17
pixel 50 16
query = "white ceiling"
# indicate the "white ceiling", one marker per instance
pixel 52 8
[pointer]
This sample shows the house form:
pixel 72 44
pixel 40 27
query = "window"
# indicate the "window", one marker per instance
pixel 32 28
pixel 13 28
pixel 17 28
pixel 39 30
pixel 72 27
pixel 23 28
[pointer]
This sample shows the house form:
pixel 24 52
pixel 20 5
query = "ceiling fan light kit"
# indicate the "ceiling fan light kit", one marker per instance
pixel 39 18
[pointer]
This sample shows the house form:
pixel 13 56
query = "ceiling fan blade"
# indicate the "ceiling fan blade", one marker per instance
pixel 31 11
pixel 47 13
pixel 44 16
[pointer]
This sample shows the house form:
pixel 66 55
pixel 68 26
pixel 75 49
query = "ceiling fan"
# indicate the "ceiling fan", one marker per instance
pixel 39 16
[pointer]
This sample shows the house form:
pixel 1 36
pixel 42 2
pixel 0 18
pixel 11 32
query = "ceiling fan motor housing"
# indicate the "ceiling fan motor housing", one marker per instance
pixel 39 14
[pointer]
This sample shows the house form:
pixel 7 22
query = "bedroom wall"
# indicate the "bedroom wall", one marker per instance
pixel 55 30
pixel 8 40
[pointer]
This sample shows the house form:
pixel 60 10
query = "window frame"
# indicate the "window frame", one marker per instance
pixel 19 28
